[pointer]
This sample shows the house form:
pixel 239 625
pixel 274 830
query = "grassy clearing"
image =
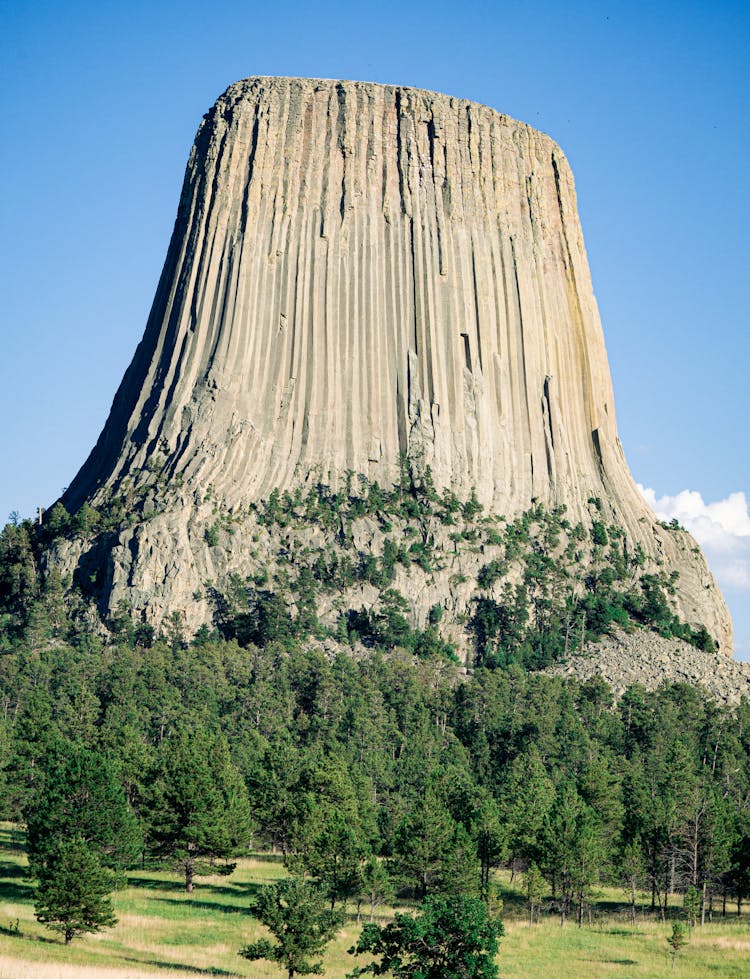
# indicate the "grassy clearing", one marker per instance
pixel 611 950
pixel 163 931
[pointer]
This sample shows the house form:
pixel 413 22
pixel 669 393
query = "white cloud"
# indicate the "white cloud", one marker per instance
pixel 721 528
pixel 742 650
pixel 736 574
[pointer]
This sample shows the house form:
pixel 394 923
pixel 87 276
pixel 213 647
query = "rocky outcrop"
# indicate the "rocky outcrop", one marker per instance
pixel 646 658
pixel 360 273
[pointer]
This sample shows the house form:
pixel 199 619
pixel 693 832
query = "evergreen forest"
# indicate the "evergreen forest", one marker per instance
pixel 363 751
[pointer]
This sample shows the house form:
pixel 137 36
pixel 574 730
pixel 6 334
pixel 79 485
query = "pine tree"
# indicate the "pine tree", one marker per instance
pixel 527 797
pixel 691 904
pixel 82 798
pixel 573 850
pixel 423 841
pixel 198 802
pixel 72 891
pixel 333 854
pixel 677 940
pixel 632 872
pixel 491 841
pixel 295 912
pixel 376 886
pixel 534 887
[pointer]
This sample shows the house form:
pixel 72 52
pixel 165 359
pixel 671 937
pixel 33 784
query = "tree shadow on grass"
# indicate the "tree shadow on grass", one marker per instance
pixel 155 883
pixel 178 886
pixel 265 857
pixel 12 839
pixel 179 967
pixel 16 891
pixel 611 961
pixel 19 933
pixel 10 869
pixel 621 909
pixel 220 891
pixel 511 899
pixel 206 905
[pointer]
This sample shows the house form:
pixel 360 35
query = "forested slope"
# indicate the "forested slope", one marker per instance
pixel 337 745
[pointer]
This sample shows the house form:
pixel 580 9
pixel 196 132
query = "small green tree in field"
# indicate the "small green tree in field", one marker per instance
pixel 73 889
pixel 198 805
pixel 633 872
pixel 375 887
pixel 677 940
pixel 534 887
pixel 296 913
pixel 333 856
pixel 691 906
pixel 451 937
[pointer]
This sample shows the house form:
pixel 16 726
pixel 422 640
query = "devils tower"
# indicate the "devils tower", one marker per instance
pixel 363 274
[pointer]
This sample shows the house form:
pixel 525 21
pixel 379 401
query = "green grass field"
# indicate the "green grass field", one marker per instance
pixel 163 931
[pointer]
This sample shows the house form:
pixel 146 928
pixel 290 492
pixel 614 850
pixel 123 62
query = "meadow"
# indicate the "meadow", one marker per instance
pixel 164 931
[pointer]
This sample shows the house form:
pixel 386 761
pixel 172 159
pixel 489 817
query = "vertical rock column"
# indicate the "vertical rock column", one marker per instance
pixel 359 271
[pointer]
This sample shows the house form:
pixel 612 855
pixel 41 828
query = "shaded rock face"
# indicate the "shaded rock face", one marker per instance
pixel 360 272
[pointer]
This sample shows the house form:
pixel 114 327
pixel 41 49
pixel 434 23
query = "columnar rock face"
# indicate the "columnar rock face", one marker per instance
pixel 360 272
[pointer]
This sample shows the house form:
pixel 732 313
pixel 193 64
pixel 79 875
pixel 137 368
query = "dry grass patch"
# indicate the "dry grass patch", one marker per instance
pixel 731 943
pixel 11 968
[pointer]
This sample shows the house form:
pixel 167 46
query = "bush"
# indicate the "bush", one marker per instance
pixel 451 936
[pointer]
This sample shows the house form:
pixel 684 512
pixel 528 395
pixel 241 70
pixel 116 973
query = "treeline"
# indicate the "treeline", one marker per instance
pixel 374 773
pixel 377 765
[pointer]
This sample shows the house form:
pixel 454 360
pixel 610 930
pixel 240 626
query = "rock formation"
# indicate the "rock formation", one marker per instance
pixel 646 658
pixel 360 273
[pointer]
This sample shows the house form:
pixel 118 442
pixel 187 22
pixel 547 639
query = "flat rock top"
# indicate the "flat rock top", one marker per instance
pixel 648 659
pixel 252 86
pixel 284 81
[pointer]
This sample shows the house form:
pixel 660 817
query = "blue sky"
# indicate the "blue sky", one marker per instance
pixel 650 102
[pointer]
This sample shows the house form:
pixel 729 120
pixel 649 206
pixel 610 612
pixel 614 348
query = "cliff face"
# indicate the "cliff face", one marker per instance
pixel 357 273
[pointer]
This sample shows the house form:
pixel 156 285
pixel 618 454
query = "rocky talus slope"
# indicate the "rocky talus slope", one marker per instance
pixel 360 274
pixel 646 658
